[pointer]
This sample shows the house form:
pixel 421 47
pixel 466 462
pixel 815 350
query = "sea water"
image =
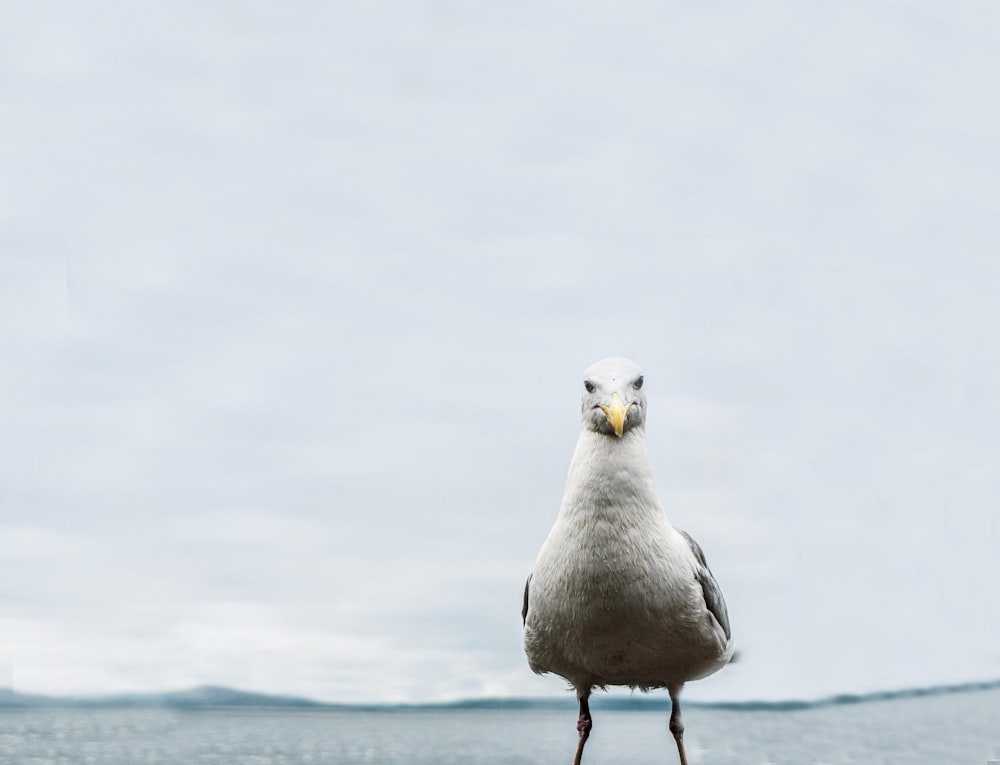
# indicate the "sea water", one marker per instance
pixel 933 730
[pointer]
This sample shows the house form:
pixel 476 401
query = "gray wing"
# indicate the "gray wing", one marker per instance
pixel 709 587
pixel 524 608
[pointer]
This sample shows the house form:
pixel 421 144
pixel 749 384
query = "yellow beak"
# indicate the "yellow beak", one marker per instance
pixel 616 414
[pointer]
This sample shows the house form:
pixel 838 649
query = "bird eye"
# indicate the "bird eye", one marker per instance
pixel 589 386
pixel 638 383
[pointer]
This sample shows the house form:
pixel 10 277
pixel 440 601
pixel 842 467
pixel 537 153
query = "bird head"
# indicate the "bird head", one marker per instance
pixel 613 401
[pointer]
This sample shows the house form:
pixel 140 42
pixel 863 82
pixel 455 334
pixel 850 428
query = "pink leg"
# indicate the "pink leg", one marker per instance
pixel 676 724
pixel 583 726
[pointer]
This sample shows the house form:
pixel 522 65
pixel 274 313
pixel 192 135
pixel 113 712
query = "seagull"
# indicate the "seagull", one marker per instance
pixel 617 595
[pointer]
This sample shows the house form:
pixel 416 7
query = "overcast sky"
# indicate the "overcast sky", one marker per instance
pixel 295 300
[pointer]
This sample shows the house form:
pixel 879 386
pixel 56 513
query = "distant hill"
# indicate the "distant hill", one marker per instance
pixel 205 697
pixel 216 697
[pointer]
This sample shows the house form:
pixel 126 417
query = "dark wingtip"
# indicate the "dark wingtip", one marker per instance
pixel 524 607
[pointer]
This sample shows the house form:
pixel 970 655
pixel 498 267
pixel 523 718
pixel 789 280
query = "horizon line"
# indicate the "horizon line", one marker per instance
pixel 223 697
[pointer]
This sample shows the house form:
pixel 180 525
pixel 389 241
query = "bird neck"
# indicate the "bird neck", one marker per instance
pixel 611 474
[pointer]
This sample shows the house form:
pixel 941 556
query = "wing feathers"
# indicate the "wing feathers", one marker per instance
pixel 709 587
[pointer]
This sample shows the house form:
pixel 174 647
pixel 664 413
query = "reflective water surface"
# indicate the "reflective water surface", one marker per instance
pixel 958 728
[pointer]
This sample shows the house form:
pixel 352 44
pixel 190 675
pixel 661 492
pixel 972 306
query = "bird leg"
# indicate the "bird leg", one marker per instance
pixel 677 725
pixel 583 726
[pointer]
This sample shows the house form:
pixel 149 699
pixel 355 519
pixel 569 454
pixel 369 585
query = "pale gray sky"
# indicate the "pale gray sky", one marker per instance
pixel 294 304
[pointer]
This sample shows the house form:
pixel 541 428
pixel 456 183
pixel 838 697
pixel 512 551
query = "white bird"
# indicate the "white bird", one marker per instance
pixel 618 596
